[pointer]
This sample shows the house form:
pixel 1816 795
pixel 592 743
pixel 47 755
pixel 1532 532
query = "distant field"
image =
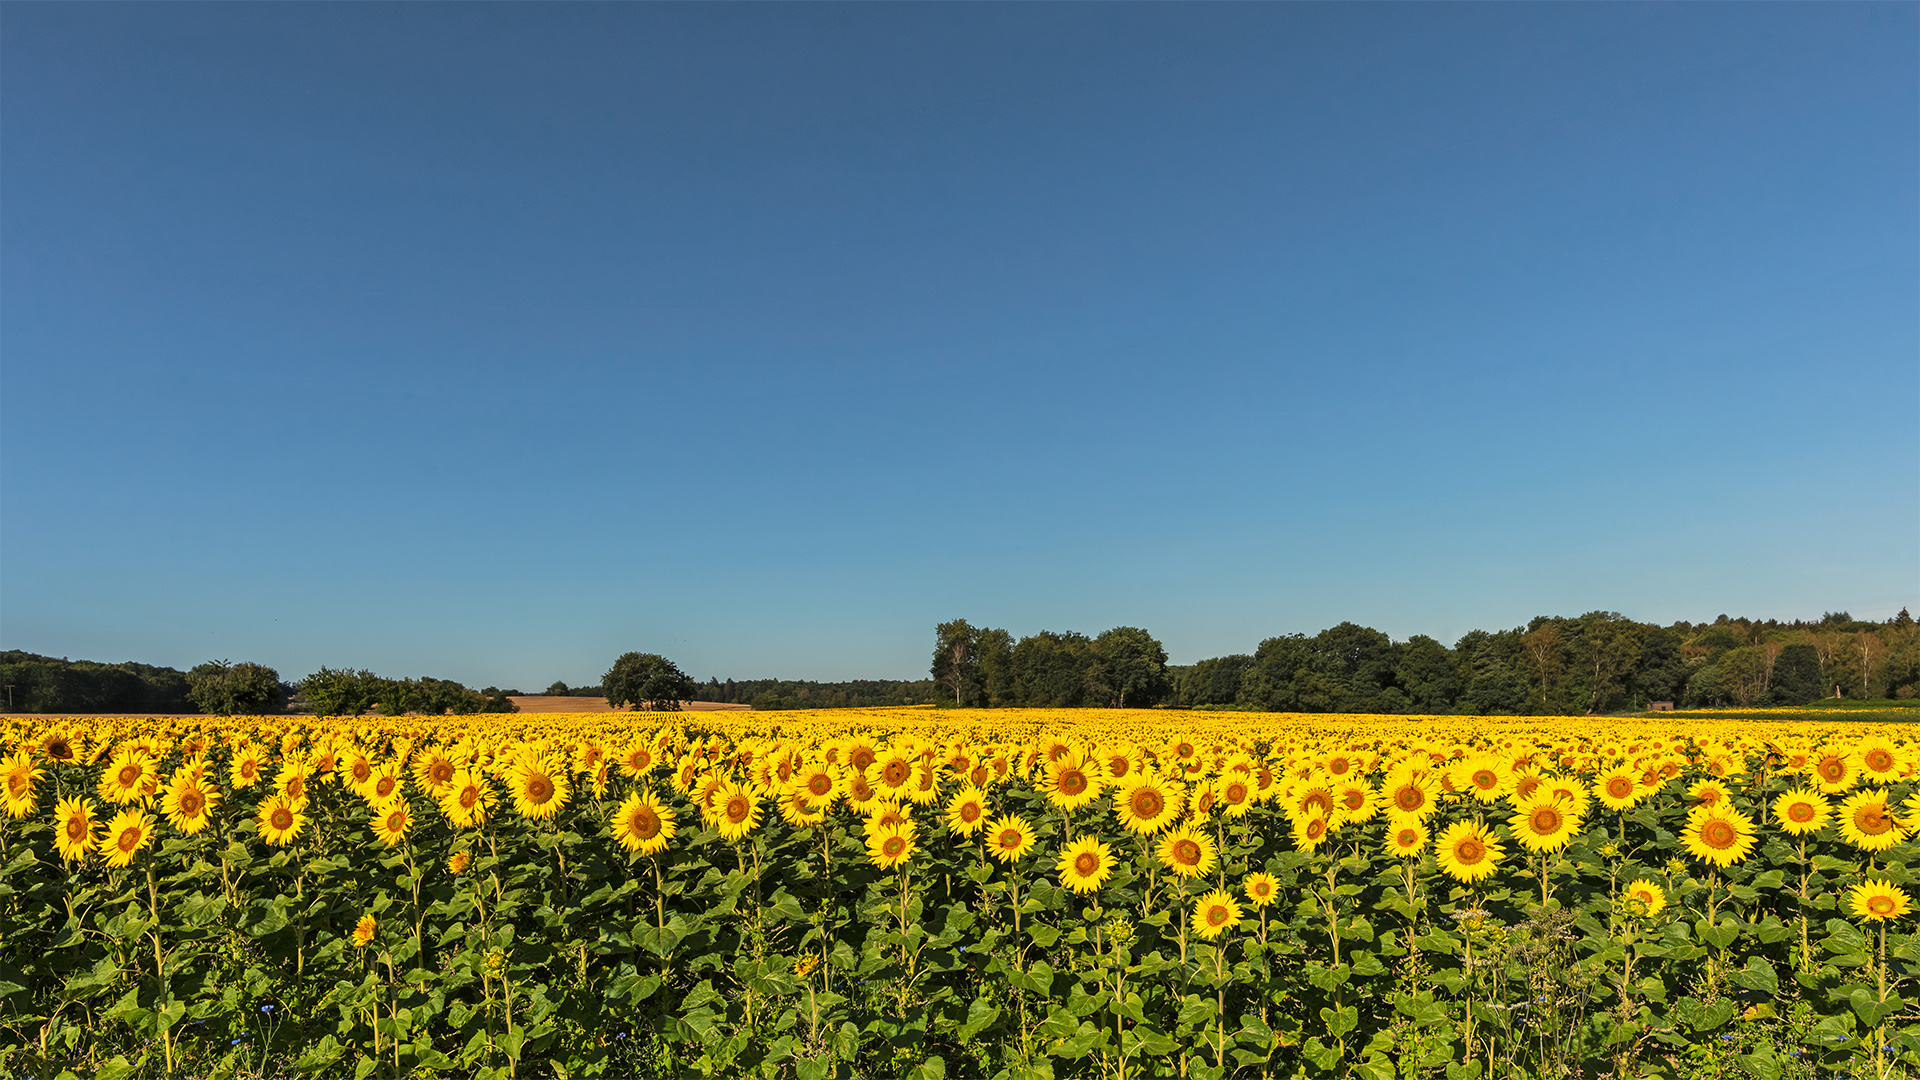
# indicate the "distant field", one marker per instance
pixel 542 703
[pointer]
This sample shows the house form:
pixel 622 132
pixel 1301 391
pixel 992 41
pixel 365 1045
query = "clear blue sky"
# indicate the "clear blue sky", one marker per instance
pixel 491 341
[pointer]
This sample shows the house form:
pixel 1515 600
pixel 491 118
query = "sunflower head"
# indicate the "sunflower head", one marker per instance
pixel 1085 865
pixel 1261 889
pixel 1879 901
pixel 1008 838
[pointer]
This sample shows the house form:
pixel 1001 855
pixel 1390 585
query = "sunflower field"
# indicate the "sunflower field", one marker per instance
pixel 929 893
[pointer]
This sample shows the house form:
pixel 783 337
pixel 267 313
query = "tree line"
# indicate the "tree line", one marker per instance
pixel 47 684
pixel 1595 663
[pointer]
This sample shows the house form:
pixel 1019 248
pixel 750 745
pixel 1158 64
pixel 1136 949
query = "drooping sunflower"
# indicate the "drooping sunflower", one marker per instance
pixel 1645 898
pixel 1879 900
pixel 539 788
pixel 127 777
pixel 1009 837
pixel 468 801
pixel 1466 852
pixel 73 828
pixel 642 824
pixel 279 820
pixel 1720 835
pixel 1147 805
pixel 736 812
pixel 391 822
pixel 1867 820
pixel 1801 812
pixel 130 830
pixel 188 802
pixel 1085 865
pixel 1310 832
pixel 1406 838
pixel 62 747
pixel 17 775
pixel 1187 852
pixel 1070 785
pixel 1261 889
pixel 1543 824
pixel 363 931
pixel 891 845
pixel 1618 788
pixel 967 811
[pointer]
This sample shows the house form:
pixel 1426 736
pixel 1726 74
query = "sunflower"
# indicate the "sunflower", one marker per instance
pixel 279 820
pixel 1487 777
pixel 1466 852
pixel 967 811
pixel 1215 914
pixel 1618 788
pixel 925 787
pixel 1261 889
pixel 1147 805
pixel 861 791
pixel 17 775
pixel 1834 770
pixel 434 770
pixel 736 812
pixel 127 777
pixel 539 788
pixel 391 822
pixel 1070 785
pixel 1233 793
pixel 383 784
pixel 891 845
pixel 1355 801
pixel 1720 835
pixel 797 811
pixel 1879 900
pixel 1406 838
pixel 188 802
pixel 248 763
pixel 1122 763
pixel 893 775
pixel 1801 812
pixel 1009 837
pixel 820 783
pixel 638 759
pixel 1543 824
pixel 468 800
pixel 1310 832
pixel 1880 761
pixel 128 832
pixel 1408 796
pixel 73 828
pixel 1187 852
pixel 363 931
pixel 356 770
pixel 1867 821
pixel 1085 865
pixel 1312 798
pixel 1645 898
pixel 1708 792
pixel 642 824
pixel 294 782
pixel 61 747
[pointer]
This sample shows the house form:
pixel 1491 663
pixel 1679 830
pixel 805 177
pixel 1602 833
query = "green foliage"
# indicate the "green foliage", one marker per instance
pixel 351 693
pixel 222 688
pixel 46 684
pixel 646 681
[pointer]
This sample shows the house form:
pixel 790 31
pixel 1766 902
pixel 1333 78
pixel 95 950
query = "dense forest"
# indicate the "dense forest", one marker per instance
pixel 48 684
pixel 1600 662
